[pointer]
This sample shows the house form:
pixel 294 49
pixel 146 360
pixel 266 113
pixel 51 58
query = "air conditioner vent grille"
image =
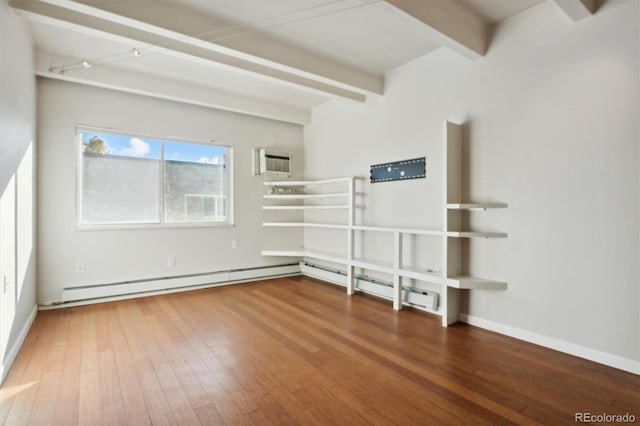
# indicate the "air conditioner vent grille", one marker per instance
pixel 275 162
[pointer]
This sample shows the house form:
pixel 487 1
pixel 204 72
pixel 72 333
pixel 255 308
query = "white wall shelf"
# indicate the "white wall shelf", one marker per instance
pixel 307 207
pixel 305 196
pixel 304 225
pixel 307 253
pixel 287 183
pixel 470 283
pixel 476 206
pixel 451 278
pixel 433 232
pixel 475 234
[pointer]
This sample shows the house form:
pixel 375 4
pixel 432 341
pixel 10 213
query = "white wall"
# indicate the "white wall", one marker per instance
pixel 17 121
pixel 122 255
pixel 551 120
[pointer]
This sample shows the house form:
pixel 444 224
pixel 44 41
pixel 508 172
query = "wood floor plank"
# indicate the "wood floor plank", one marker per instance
pixel 133 400
pixel 111 398
pixel 67 406
pixel 158 408
pixel 46 399
pixel 179 404
pixel 203 363
pixel 291 351
pixel 89 398
pixel 23 403
pixel 89 357
pixel 209 415
pixel 177 388
pixel 15 383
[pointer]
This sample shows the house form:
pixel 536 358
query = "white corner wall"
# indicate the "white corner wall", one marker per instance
pixel 123 255
pixel 551 123
pixel 17 135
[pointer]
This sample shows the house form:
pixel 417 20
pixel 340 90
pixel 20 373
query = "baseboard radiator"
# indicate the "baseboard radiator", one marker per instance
pixel 411 296
pixel 95 293
pixel 145 287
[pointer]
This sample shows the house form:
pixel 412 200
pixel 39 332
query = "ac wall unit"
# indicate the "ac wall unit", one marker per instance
pixel 274 162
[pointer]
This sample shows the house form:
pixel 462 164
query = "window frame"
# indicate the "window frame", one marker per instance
pixel 162 224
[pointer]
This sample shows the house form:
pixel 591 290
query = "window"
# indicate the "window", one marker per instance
pixel 136 180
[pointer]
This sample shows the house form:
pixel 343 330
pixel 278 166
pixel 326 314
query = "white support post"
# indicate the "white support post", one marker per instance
pixel 452 193
pixel 452 306
pixel 445 288
pixel 397 264
pixel 350 250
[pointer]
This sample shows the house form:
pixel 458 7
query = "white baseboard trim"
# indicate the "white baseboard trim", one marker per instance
pixel 594 355
pixel 92 294
pixel 13 352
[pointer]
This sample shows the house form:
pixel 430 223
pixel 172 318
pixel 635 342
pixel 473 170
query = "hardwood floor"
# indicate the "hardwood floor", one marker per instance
pixel 291 351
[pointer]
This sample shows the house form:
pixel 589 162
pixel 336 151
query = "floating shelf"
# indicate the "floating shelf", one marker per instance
pixel 304 225
pixel 307 207
pixel 434 232
pixel 475 234
pixel 307 253
pixel 306 182
pixel 305 196
pixel 476 206
pixel 465 282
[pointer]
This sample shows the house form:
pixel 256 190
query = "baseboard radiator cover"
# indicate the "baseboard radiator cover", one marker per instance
pixel 96 293
pixel 414 297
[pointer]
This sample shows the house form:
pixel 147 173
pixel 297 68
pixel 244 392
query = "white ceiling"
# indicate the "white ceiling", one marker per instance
pixel 357 32
pixel 281 57
pixel 97 50
pixel 498 10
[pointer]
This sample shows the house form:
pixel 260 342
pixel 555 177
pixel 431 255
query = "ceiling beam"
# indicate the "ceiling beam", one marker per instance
pixel 577 9
pixel 178 19
pixel 113 78
pixel 447 23
pixel 108 26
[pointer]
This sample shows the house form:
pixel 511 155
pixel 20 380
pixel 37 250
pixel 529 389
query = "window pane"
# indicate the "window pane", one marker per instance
pixel 120 179
pixel 195 182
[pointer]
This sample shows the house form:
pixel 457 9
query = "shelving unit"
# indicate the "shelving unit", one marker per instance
pixel 290 193
pixel 451 280
pixel 453 209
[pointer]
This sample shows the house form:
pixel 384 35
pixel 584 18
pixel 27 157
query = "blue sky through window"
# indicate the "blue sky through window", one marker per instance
pixel 134 146
pixel 194 153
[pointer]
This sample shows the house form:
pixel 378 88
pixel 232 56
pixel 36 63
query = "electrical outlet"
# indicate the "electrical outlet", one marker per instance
pixel 171 261
pixel 79 268
pixel 234 244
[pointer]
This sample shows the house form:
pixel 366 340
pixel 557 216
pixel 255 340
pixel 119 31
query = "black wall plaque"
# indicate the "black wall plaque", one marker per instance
pixel 399 170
